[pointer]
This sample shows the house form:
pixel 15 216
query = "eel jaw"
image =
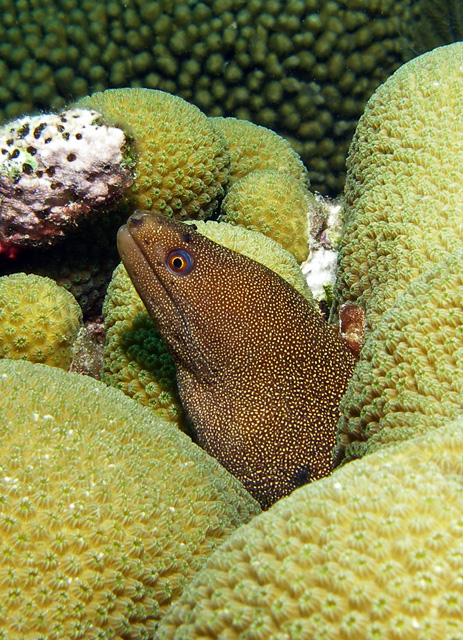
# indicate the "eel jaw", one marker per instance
pixel 156 297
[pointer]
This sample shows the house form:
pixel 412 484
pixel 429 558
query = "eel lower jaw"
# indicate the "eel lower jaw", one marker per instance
pixel 126 243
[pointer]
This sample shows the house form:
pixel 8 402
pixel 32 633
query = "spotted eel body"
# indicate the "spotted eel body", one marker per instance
pixel 259 371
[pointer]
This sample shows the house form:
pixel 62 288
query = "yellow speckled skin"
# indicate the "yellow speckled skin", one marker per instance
pixel 259 372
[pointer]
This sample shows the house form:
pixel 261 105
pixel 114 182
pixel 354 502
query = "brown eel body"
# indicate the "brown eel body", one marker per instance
pixel 259 371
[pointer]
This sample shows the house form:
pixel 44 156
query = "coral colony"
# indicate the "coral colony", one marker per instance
pixel 54 169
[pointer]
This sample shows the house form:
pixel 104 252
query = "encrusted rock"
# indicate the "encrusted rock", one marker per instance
pixel 55 169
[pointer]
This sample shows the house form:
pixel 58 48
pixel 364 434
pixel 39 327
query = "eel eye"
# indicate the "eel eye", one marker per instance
pixel 180 262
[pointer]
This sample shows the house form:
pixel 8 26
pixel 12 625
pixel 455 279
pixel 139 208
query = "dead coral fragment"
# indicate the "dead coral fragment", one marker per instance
pixel 54 169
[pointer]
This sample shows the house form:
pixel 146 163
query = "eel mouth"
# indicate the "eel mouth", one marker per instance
pixel 126 243
pixel 136 245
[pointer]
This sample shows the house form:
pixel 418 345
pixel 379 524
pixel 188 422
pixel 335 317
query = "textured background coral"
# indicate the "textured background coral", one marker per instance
pixel 304 68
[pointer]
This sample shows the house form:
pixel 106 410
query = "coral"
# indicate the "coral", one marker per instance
pixel 106 511
pixel 276 204
pixel 301 67
pixel 39 320
pixel 182 163
pixel 437 23
pixel 253 147
pixel 55 169
pixel 410 374
pixel 373 551
pixel 135 357
pixel 403 198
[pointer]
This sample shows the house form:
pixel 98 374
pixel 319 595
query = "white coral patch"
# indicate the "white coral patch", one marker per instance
pixel 55 168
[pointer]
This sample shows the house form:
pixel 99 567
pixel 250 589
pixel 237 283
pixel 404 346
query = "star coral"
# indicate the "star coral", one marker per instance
pixel 182 162
pixel 105 511
pixel 301 67
pixel 403 199
pixel 39 320
pixel 373 551
pixel 276 204
pixel 256 148
pixel 410 374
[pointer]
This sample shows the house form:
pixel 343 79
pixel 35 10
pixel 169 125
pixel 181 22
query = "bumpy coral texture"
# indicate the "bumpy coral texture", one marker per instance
pixel 182 161
pixel 274 203
pixel 106 511
pixel 39 320
pixel 55 169
pixel 403 198
pixel 373 551
pixel 254 147
pixel 303 68
pixel 410 374
pixel 136 360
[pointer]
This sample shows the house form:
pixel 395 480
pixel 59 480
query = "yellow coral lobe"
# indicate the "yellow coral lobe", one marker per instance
pixel 410 374
pixel 105 510
pixel 182 163
pixel 373 551
pixel 253 148
pixel 274 203
pixel 260 374
pixel 39 320
pixel 403 198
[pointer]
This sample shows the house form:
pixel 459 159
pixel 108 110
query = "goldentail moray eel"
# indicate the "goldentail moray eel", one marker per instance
pixel 260 373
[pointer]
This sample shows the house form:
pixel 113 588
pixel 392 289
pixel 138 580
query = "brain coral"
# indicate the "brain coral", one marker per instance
pixel 106 511
pixel 276 204
pixel 410 373
pixel 375 551
pixel 302 67
pixel 39 320
pixel 403 198
pixel 135 357
pixel 253 147
pixel 182 161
